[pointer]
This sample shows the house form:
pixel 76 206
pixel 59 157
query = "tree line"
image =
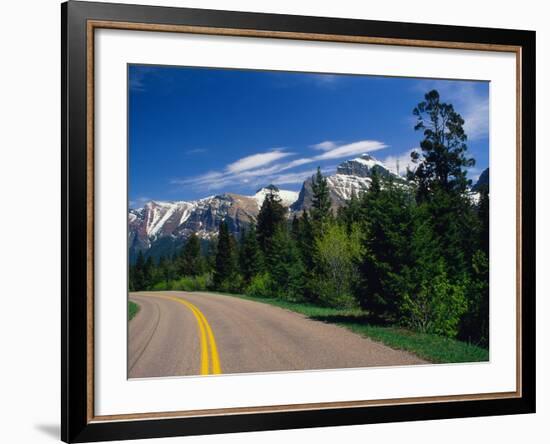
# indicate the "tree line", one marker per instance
pixel 414 254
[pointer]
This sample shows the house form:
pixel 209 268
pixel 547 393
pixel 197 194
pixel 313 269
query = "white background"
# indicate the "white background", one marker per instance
pixel 29 222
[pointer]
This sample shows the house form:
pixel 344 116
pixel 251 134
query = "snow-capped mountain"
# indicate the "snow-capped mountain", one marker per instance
pixel 287 197
pixel 352 177
pixel 157 221
pixel 165 225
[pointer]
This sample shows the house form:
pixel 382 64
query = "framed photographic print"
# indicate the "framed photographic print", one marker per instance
pixel 276 221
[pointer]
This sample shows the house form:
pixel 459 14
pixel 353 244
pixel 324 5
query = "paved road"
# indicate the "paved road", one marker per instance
pixel 180 333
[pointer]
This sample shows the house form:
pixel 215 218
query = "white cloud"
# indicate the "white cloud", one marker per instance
pixel 399 163
pixel 476 119
pixel 262 168
pixel 351 149
pixel 324 146
pixel 256 160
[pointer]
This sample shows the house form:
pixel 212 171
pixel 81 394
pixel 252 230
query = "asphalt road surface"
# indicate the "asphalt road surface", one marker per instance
pixel 180 333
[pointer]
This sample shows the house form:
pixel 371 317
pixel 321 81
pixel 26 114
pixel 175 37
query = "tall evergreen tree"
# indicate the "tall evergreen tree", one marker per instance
pixel 191 262
pixel 285 266
pixel 271 215
pixel 306 240
pixel 441 180
pixel 295 227
pixel 250 255
pixel 443 161
pixel 387 232
pixel 148 273
pixel 137 278
pixel 351 213
pixel 226 271
pixel 320 203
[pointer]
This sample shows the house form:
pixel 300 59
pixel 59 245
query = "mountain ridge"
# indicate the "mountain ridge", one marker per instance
pixel 158 220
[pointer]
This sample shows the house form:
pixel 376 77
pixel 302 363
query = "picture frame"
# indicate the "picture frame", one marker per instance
pixel 80 22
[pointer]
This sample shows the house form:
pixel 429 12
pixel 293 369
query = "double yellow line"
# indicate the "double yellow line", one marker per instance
pixel 208 366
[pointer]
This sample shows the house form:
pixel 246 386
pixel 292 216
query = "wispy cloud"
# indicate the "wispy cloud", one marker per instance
pixel 196 151
pixel 401 162
pixel 262 168
pixel 256 160
pixel 468 101
pixel 351 149
pixel 324 146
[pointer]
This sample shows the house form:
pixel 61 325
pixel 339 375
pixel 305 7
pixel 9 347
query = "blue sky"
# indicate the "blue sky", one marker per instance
pixel 195 132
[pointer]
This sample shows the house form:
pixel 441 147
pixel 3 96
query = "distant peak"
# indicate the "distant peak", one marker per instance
pixel 269 187
pixel 366 156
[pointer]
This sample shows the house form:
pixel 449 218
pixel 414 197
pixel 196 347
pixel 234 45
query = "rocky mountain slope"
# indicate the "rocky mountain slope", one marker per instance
pixel 164 225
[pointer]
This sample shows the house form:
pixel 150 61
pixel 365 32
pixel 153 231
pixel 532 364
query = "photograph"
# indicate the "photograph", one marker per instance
pixel 291 221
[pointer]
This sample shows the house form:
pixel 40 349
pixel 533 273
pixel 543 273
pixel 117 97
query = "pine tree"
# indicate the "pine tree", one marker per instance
pixel 443 160
pixel 387 232
pixel 250 255
pixel 295 227
pixel 320 203
pixel 351 213
pixel 305 240
pixel 191 262
pixel 148 273
pixel 271 215
pixel 136 275
pixel 285 266
pixel 226 271
pixel 441 179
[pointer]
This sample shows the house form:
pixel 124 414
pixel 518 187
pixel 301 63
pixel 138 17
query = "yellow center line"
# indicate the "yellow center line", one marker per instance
pixel 204 341
pixel 216 368
pixel 206 337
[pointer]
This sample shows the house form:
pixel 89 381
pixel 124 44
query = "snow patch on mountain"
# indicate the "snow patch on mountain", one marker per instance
pixel 287 197
pixel 344 186
pixel 368 161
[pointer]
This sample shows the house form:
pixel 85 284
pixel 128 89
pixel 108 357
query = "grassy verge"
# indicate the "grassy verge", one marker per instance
pixel 133 308
pixel 432 348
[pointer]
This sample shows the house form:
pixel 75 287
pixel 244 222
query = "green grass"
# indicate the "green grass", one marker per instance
pixel 133 308
pixel 430 347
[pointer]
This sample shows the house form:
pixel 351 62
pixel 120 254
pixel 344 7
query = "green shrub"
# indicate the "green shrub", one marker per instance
pixel 191 283
pixel 261 285
pixel 337 254
pixel 133 308
pixel 162 286
pixel 437 306
pixel 233 284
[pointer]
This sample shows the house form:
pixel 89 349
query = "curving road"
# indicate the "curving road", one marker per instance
pixel 181 333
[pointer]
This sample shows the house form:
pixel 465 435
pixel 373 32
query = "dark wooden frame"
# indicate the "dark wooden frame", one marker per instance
pixel 79 19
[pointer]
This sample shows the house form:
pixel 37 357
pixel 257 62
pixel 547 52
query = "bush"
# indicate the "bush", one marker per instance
pixel 337 254
pixel 438 305
pixel 162 286
pixel 261 285
pixel 185 283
